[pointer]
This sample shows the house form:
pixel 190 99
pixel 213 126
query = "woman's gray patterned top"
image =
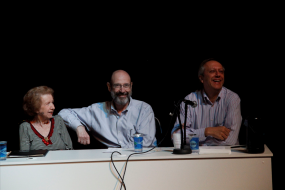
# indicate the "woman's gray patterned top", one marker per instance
pixel 60 137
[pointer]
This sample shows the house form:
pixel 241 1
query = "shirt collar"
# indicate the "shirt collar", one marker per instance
pixel 206 99
pixel 127 109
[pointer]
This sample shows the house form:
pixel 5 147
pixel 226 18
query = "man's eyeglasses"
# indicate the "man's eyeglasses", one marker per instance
pixel 118 86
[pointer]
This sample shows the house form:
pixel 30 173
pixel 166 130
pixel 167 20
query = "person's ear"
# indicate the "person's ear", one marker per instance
pixel 109 86
pixel 201 78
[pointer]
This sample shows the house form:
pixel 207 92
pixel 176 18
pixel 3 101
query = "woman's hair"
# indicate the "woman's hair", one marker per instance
pixel 32 99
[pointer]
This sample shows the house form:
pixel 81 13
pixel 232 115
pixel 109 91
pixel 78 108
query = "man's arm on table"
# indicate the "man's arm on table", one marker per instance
pixel 223 135
pixel 71 119
pixel 232 123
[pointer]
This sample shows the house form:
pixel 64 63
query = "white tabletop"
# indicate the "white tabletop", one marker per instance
pixel 100 155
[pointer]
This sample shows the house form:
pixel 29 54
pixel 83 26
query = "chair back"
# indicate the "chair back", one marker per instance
pixel 158 127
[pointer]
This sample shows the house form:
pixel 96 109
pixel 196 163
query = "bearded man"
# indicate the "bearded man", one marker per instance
pixel 114 123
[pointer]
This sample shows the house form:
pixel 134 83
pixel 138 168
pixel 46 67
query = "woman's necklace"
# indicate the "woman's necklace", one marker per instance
pixel 46 138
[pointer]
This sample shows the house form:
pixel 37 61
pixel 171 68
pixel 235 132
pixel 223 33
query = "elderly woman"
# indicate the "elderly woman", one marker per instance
pixel 43 131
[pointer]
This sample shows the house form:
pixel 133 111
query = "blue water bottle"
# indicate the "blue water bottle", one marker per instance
pixel 138 142
pixel 194 142
pixel 3 150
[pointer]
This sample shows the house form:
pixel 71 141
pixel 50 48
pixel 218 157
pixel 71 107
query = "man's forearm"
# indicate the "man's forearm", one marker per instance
pixel 69 118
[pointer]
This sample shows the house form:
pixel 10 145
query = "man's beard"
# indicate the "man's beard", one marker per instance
pixel 121 101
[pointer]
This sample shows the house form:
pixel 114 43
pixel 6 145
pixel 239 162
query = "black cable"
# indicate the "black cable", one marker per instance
pixel 176 106
pixel 238 146
pixel 126 164
pixel 128 160
pixel 117 170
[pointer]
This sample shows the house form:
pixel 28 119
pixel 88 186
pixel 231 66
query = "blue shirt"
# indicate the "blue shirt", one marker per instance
pixel 112 129
pixel 224 112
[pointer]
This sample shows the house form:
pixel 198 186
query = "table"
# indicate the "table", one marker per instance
pixel 157 169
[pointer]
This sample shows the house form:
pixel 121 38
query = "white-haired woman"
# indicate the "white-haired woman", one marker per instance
pixel 43 131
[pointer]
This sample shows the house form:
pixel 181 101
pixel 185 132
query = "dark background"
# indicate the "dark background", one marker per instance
pixel 75 54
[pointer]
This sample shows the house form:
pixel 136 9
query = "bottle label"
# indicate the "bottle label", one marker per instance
pixel 194 143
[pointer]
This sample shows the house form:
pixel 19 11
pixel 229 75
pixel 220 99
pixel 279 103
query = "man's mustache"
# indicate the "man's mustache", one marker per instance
pixel 122 93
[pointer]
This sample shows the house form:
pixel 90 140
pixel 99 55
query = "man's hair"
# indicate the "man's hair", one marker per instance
pixel 202 68
pixel 111 81
pixel 32 99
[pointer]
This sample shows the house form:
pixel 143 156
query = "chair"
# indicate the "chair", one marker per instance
pixel 242 133
pixel 159 125
pixel 94 143
pixel 158 128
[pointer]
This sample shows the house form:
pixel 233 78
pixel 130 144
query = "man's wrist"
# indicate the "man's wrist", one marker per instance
pixel 80 127
pixel 206 133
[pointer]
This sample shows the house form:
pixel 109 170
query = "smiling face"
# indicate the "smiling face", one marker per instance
pixel 120 87
pixel 47 107
pixel 213 77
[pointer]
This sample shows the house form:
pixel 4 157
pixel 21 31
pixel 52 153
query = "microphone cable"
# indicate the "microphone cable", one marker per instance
pixel 117 170
pixel 176 105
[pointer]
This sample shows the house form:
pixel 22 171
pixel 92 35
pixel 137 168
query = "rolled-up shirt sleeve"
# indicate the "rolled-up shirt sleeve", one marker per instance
pixel 73 118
